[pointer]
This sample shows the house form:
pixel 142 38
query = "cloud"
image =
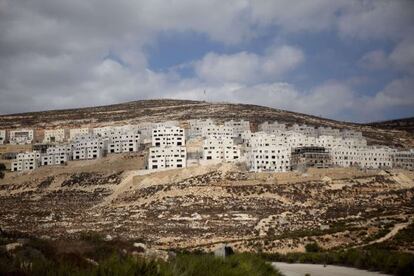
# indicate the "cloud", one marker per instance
pixel 374 60
pixel 59 54
pixel 244 67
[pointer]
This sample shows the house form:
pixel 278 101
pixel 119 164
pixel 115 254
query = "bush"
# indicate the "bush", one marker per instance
pixel 313 247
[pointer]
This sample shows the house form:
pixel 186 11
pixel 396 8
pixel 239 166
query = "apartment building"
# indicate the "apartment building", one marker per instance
pixel 238 127
pixel 310 157
pixel 89 147
pixel 304 129
pixel 26 161
pixel 168 157
pixel 164 136
pixel 215 131
pixel 57 155
pixel 269 159
pixel 196 127
pixel 75 132
pixel 367 157
pixel 21 136
pixel 272 128
pixel 404 159
pixel 54 135
pixel 328 131
pixel 2 137
pixel 221 150
pixel 125 142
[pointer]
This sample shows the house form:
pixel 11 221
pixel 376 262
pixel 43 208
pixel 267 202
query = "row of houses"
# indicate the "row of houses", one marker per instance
pixel 84 146
pixel 276 148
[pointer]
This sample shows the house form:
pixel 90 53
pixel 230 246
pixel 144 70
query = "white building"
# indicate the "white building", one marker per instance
pixel 89 147
pixel 145 129
pixel 57 155
pixel 404 159
pixel 26 161
pixel 164 136
pixel 272 128
pixel 269 159
pixel 304 129
pixel 54 135
pixel 196 127
pixel 328 131
pixel 238 127
pixel 368 157
pixel 2 137
pixel 167 157
pixel 74 132
pixel 219 132
pixel 126 142
pixel 221 150
pixel 21 136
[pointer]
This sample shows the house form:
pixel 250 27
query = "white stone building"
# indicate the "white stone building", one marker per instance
pixel 75 132
pixel 272 128
pixel 196 127
pixel 2 137
pixel 215 131
pixel 367 157
pixel 57 155
pixel 269 159
pixel 404 159
pixel 89 147
pixel 164 136
pixel 26 161
pixel 238 127
pixel 125 142
pixel 54 135
pixel 304 129
pixel 328 131
pixel 168 157
pixel 221 150
pixel 21 136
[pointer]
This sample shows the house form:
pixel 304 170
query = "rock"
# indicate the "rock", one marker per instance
pixel 140 246
pixel 108 238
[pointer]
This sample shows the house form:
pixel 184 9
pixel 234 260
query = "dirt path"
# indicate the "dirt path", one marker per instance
pixel 397 227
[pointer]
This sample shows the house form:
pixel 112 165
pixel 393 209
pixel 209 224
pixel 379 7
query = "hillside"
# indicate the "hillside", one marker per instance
pixel 162 110
pixel 406 124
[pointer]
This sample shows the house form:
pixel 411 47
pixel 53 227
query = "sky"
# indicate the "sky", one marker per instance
pixel 350 60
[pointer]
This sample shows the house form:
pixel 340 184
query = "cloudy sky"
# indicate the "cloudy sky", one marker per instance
pixel 341 59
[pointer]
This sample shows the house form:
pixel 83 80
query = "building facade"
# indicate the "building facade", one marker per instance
pixel 21 136
pixel 221 150
pixel 54 136
pixel 169 157
pixel 2 137
pixel 26 161
pixel 164 136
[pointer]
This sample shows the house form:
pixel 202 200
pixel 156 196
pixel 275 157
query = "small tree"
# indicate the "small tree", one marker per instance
pixel 2 169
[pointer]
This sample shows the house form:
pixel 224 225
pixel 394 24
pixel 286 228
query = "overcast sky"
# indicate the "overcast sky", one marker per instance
pixel 341 59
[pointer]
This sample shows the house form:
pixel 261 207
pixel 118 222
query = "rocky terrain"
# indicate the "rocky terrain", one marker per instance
pixel 162 110
pixel 199 207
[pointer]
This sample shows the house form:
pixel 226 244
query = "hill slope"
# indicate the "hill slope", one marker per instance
pixel 162 110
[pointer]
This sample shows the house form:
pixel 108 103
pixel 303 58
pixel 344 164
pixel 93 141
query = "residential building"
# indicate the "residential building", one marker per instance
pixel 310 157
pixel 26 161
pixel 75 132
pixel 272 128
pixel 221 150
pixel 404 159
pixel 54 135
pixel 238 127
pixel 89 147
pixel 21 136
pixel 196 127
pixel 164 136
pixel 366 157
pixel 215 131
pixel 57 155
pixel 168 157
pixel 126 142
pixel 269 159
